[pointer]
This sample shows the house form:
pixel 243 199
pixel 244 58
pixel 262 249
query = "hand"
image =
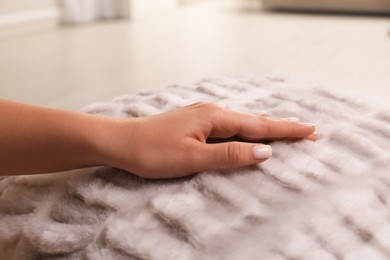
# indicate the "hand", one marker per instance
pixel 174 144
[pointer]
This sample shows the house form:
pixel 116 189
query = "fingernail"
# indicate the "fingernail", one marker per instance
pixel 262 151
pixel 295 119
pixel 263 113
pixel 308 124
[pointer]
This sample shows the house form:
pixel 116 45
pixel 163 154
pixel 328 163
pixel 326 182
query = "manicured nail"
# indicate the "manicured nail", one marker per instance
pixel 263 113
pixel 295 119
pixel 308 124
pixel 262 151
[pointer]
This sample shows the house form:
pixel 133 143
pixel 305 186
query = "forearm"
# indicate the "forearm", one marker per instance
pixel 41 140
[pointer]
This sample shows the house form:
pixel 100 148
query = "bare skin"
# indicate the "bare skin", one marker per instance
pixel 173 144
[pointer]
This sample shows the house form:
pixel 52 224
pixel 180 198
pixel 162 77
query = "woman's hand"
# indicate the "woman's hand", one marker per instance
pixel 174 144
pixel 42 140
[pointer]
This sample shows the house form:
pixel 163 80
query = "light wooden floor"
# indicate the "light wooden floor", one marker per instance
pixel 74 66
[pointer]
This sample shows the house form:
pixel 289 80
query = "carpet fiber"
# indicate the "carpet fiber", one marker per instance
pixel 324 200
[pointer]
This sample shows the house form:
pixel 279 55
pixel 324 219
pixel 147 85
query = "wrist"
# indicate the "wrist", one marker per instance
pixel 112 140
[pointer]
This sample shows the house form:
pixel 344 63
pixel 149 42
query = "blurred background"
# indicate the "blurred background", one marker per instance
pixel 70 53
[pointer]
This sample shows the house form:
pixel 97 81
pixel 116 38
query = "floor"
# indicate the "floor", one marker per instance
pixel 69 67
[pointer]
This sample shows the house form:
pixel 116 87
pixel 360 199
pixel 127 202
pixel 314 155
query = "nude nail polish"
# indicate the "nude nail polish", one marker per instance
pixel 262 151
pixel 292 118
pixel 263 113
pixel 309 124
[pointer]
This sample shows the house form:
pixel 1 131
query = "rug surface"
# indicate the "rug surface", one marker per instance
pixel 324 200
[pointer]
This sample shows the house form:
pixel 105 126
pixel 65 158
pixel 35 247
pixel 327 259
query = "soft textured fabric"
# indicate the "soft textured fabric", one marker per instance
pixel 324 200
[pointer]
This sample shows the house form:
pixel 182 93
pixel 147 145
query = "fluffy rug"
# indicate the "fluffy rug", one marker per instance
pixel 324 200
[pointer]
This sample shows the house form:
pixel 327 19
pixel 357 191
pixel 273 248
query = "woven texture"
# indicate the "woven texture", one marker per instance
pixel 324 200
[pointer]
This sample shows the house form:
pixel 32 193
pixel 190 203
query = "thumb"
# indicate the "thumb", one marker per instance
pixel 234 154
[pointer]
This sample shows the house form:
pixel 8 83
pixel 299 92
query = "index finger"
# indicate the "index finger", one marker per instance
pixel 251 127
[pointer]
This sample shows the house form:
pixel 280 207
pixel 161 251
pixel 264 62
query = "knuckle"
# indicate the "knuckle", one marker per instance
pixel 209 106
pixel 233 152
pixel 292 131
pixel 211 110
pixel 201 103
pixel 266 125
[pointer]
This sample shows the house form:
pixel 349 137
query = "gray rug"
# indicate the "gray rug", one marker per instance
pixel 324 200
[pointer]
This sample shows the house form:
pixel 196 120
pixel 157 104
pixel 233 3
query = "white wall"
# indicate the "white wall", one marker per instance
pixel 10 6
pixel 22 11
pixel 144 7
pixel 15 12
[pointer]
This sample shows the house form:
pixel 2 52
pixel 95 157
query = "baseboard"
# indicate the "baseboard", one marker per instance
pixel 360 6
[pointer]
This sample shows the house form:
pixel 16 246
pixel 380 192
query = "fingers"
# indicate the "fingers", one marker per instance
pixel 228 123
pixel 233 154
